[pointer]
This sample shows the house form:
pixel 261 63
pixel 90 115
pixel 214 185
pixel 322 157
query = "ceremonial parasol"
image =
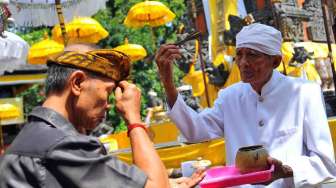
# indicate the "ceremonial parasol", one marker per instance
pixel 152 13
pixel 134 51
pixel 40 51
pixel 82 30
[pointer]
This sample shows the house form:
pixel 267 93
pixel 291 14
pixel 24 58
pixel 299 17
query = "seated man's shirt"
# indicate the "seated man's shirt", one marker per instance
pixel 49 152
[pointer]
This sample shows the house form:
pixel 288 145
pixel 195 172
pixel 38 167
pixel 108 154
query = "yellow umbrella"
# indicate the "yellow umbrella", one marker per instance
pixel 81 30
pixel 134 51
pixel 40 51
pixel 152 13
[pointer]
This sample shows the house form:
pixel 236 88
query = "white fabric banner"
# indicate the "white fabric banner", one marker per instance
pixel 43 12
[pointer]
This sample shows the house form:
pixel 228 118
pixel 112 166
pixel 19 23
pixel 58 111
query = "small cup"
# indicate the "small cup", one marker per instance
pixel 251 159
pixel 187 168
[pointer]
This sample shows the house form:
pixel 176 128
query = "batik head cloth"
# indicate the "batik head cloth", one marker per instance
pixel 107 62
pixel 260 37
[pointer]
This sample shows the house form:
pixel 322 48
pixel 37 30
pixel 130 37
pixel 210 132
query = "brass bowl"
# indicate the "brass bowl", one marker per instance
pixel 251 159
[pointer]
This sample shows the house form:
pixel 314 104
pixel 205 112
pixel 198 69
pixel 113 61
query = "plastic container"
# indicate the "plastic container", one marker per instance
pixel 227 176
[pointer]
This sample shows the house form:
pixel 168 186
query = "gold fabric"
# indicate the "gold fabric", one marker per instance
pixel 108 62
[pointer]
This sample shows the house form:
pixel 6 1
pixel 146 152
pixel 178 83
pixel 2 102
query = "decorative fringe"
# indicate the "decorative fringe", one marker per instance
pixel 34 13
pixel 13 52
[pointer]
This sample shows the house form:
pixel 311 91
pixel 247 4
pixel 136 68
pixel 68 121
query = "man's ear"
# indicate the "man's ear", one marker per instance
pixel 75 81
pixel 276 61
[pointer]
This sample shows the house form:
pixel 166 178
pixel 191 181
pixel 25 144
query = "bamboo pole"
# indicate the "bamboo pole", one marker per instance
pixel 61 21
pixel 203 69
pixel 194 14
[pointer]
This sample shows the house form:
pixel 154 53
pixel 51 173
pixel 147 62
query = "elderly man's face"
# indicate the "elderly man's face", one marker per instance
pixel 92 103
pixel 255 67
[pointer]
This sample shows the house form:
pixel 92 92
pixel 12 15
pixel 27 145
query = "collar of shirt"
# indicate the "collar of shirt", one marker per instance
pixel 53 118
pixel 269 86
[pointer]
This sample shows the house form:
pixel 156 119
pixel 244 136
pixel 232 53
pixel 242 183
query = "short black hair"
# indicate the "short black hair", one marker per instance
pixel 57 78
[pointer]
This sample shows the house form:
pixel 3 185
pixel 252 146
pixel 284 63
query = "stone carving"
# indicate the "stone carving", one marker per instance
pixel 188 53
pixel 289 18
pixel 315 26
pixel 323 67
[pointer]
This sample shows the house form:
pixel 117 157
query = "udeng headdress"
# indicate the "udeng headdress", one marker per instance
pixel 108 62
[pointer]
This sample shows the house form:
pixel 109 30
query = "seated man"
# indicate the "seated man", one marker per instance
pixel 284 114
pixel 52 149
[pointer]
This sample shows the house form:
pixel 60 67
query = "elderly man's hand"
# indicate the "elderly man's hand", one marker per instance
pixel 188 182
pixel 280 170
pixel 128 101
pixel 164 58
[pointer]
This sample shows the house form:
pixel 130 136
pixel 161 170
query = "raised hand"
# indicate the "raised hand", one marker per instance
pixel 164 59
pixel 128 101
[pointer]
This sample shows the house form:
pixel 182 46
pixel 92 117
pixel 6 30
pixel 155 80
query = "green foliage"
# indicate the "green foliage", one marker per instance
pixel 33 35
pixel 32 97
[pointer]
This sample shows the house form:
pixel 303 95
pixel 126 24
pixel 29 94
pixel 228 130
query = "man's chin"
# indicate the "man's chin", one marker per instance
pixel 247 80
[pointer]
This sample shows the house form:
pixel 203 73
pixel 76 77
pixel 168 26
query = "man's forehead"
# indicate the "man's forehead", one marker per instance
pixel 243 49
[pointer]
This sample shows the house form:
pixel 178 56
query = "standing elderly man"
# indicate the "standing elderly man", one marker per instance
pixel 50 151
pixel 284 114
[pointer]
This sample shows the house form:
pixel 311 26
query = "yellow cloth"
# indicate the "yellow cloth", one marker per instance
pixel 230 8
pixel 320 51
pixel 195 79
pixel 234 76
pixel 221 60
pixel 213 92
pixel 108 62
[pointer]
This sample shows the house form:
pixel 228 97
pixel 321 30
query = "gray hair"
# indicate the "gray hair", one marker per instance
pixel 57 78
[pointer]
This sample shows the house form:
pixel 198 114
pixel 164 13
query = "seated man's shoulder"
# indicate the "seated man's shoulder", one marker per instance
pixel 35 139
pixel 40 141
pixel 79 144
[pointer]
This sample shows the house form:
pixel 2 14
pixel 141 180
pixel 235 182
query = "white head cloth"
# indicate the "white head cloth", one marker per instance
pixel 260 37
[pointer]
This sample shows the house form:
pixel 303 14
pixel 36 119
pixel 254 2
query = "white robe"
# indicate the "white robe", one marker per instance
pixel 288 118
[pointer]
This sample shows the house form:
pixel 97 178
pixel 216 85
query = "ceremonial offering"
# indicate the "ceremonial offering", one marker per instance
pixel 251 159
pixel 201 164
